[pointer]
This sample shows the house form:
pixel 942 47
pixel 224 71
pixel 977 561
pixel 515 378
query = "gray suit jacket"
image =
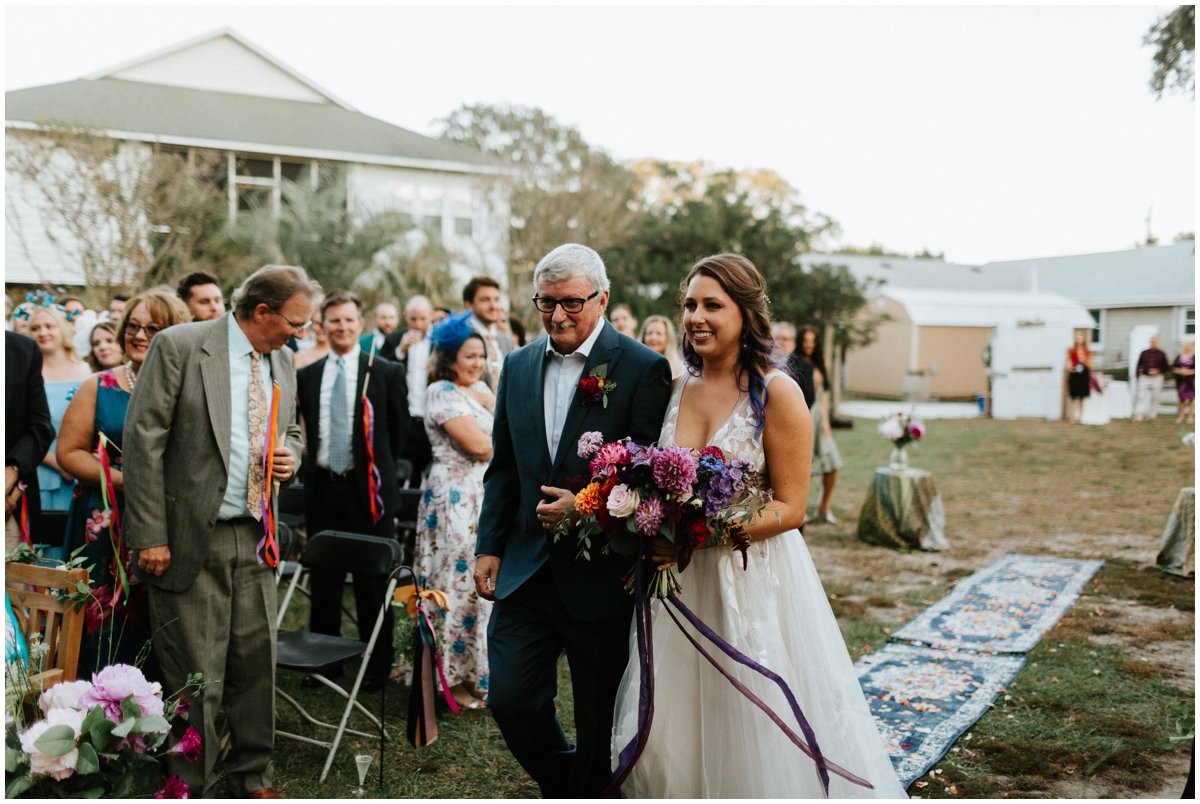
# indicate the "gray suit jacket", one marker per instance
pixel 503 340
pixel 176 443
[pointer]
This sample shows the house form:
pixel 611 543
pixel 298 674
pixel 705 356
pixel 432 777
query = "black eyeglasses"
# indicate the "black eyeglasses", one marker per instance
pixel 132 329
pixel 547 304
pixel 291 323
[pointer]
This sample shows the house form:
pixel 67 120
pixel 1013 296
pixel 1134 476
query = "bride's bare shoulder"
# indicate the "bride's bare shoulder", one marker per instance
pixel 783 393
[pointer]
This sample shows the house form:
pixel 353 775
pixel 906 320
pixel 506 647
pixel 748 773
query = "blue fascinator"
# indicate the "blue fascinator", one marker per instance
pixel 452 333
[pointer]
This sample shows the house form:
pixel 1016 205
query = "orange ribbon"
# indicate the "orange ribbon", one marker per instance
pixel 410 594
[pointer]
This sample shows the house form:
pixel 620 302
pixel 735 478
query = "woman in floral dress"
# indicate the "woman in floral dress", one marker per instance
pixel 116 621
pixel 458 420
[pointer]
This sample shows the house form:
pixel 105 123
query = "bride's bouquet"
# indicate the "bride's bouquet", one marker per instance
pixel 690 497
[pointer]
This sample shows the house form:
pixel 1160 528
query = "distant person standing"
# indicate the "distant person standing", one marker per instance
pixel 623 321
pixel 27 434
pixel 658 333
pixel 796 366
pixel 116 307
pixel 62 373
pixel 1151 365
pixel 386 318
pixel 1079 376
pixel 202 295
pixel 320 346
pixel 826 459
pixel 1185 382
pixel 482 297
pixel 106 352
pixel 417 312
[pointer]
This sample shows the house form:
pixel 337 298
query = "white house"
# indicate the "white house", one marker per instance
pixel 221 92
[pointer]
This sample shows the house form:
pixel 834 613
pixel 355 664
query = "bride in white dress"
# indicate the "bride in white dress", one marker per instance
pixel 707 740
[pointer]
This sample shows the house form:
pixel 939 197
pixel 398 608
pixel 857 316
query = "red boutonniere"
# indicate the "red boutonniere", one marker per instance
pixel 595 388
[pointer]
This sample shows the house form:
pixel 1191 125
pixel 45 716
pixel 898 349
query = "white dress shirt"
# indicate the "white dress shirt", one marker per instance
pixel 560 378
pixel 328 376
pixel 234 503
pixel 418 377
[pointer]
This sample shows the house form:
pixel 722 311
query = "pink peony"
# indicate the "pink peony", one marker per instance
pixel 608 457
pixel 675 469
pixel 589 443
pixel 623 501
pixel 189 745
pixel 916 429
pixel 117 682
pixel 58 767
pixel 891 429
pixel 649 516
pixel 64 695
pixel 176 788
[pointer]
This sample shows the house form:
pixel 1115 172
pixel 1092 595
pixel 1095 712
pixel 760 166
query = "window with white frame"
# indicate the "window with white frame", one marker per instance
pixel 1097 328
pixel 1187 324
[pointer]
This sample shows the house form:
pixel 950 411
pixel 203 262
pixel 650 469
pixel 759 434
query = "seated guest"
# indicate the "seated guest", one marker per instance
pixel 659 334
pixel 385 319
pixel 62 372
pixel 99 407
pixel 202 295
pixel 623 321
pixel 106 352
pixel 27 435
pixel 337 491
pixel 320 347
pixel 458 421
pixel 797 367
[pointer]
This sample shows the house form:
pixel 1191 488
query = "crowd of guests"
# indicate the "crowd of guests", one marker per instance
pixel 1148 376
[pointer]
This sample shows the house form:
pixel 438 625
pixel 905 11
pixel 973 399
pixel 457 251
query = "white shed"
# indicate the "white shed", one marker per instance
pixel 936 340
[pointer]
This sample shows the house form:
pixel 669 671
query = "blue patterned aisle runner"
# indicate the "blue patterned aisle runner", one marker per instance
pixel 1004 608
pixel 923 698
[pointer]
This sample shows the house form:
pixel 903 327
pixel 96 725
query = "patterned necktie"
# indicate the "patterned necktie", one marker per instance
pixel 258 437
pixel 339 423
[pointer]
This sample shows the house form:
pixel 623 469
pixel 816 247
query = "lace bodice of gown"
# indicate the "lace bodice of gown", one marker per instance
pixel 736 437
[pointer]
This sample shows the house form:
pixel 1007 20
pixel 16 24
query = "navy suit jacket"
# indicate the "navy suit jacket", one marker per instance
pixel 522 464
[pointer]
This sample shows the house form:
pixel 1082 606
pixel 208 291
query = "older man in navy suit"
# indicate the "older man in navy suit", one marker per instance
pixel 547 599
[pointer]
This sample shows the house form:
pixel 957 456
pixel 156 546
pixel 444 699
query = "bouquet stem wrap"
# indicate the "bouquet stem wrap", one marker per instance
pixel 267 545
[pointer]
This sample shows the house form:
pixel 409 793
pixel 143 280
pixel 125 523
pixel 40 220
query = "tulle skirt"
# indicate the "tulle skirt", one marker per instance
pixel 707 740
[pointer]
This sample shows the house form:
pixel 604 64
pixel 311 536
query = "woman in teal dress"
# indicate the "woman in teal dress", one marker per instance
pixel 116 615
pixel 62 373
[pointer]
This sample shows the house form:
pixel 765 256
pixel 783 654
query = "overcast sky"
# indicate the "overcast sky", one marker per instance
pixel 989 133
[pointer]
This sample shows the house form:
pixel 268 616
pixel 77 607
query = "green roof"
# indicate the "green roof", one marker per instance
pixel 275 124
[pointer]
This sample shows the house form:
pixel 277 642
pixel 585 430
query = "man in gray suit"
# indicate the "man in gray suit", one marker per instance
pixel 482 297
pixel 195 437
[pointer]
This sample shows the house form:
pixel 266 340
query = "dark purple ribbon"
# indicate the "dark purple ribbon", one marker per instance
pixel 630 754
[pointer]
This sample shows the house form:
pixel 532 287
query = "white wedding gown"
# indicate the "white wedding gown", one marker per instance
pixel 707 740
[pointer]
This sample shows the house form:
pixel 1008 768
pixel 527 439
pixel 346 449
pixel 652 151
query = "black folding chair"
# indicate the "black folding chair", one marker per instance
pixel 291 505
pixel 313 654
pixel 406 521
pixel 404 470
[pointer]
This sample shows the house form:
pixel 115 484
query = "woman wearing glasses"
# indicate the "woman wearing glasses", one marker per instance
pixel 99 407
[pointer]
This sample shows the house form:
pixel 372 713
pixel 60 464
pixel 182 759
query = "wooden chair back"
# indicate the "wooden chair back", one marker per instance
pixel 41 612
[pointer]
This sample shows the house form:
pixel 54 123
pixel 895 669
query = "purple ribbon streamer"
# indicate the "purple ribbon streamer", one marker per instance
pixel 814 752
pixel 374 469
pixel 633 751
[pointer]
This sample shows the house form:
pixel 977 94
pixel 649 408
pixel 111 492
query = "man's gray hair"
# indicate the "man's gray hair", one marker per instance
pixel 416 301
pixel 570 260
pixel 783 326
pixel 272 285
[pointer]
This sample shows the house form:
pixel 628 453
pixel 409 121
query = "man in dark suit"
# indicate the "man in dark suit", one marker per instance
pixel 27 432
pixel 547 600
pixel 797 367
pixel 337 493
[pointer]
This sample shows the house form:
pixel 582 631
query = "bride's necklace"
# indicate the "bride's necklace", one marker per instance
pixel 130 375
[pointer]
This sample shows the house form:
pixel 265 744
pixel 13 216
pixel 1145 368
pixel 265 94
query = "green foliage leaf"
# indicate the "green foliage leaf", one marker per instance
pixel 130 707
pixel 624 543
pixel 92 792
pixel 56 741
pixel 95 717
pixel 14 758
pixel 88 761
pixel 123 785
pixel 19 785
pixel 125 727
pixel 600 371
pixel 101 733
pixel 151 723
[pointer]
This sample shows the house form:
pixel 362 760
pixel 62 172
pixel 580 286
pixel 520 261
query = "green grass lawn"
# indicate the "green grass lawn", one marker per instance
pixel 1034 487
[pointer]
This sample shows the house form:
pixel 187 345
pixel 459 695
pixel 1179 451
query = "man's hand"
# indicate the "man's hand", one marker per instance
pixel 155 560
pixel 285 464
pixel 664 552
pixel 10 479
pixel 487 570
pixel 551 513
pixel 407 340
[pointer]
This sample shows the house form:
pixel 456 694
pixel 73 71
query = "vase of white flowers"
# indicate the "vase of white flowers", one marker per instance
pixel 902 430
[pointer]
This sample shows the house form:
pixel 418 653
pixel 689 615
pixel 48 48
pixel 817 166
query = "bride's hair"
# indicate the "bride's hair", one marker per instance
pixel 741 280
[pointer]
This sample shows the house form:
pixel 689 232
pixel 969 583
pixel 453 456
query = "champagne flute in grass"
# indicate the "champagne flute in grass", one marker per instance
pixel 363 763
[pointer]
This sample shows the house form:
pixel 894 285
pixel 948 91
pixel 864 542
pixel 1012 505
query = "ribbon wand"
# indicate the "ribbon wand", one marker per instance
pixel 374 479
